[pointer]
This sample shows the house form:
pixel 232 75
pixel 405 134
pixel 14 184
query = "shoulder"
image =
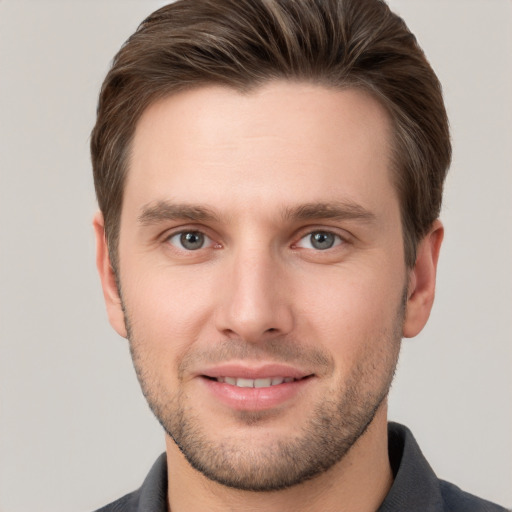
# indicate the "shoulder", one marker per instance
pixel 416 488
pixel 128 503
pixel 150 497
pixel 457 500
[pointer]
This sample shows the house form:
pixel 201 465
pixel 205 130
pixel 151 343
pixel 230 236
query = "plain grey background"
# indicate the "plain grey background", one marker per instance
pixel 75 431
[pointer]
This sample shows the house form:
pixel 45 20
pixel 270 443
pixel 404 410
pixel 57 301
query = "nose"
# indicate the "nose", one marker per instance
pixel 255 298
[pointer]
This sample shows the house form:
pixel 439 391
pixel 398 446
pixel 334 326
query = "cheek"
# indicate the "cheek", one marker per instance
pixel 167 309
pixel 352 313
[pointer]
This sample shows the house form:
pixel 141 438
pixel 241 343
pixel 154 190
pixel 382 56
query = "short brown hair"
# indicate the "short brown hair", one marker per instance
pixel 245 43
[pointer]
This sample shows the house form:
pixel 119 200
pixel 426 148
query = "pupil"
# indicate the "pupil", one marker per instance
pixel 192 241
pixel 322 240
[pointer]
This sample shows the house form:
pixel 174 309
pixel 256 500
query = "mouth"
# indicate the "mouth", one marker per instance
pixel 243 388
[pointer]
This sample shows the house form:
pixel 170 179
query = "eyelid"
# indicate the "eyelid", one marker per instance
pixel 210 240
pixel 177 236
pixel 179 230
pixel 338 240
pixel 341 234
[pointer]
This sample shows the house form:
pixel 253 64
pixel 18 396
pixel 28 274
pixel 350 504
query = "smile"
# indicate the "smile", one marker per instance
pixel 256 394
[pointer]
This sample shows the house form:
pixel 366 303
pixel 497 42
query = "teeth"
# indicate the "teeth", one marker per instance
pixel 262 383
pixel 254 383
pixel 245 383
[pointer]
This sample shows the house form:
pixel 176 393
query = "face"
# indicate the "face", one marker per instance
pixel 262 276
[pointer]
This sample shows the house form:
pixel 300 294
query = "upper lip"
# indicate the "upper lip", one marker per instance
pixel 247 371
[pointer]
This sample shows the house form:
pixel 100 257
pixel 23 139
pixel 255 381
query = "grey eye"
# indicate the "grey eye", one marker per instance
pixel 192 241
pixel 319 240
pixel 189 240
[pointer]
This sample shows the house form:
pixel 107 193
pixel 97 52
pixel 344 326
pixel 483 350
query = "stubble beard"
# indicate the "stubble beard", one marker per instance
pixel 333 427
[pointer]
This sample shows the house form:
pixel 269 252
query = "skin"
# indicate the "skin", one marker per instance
pixel 258 292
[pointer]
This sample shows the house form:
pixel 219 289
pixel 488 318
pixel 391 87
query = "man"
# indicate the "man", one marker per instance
pixel 269 175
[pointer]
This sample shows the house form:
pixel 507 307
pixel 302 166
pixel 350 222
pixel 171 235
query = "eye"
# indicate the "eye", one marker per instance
pixel 320 240
pixel 189 240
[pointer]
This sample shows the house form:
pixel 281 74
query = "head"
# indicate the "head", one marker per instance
pixel 269 175
pixel 242 44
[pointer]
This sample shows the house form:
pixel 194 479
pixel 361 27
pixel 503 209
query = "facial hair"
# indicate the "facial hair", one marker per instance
pixel 333 426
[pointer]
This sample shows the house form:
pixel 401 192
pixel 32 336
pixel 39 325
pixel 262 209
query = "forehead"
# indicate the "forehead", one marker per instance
pixel 284 142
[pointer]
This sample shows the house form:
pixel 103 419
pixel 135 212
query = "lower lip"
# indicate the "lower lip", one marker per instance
pixel 255 399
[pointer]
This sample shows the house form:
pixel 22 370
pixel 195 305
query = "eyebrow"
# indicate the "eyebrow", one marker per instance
pixel 162 211
pixel 346 210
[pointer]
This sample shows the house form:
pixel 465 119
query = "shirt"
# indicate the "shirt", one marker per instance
pixel 415 488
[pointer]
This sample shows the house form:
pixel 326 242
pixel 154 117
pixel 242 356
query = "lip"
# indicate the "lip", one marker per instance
pixel 254 399
pixel 254 372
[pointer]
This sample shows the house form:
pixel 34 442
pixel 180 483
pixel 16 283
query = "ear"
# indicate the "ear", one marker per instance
pixel 422 281
pixel 108 278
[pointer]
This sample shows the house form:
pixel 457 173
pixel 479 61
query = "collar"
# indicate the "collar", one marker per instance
pixel 415 488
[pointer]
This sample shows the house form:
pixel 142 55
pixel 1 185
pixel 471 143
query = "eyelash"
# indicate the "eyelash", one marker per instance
pixel 337 240
pixel 179 235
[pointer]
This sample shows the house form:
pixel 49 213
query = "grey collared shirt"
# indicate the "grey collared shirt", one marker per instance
pixel 415 488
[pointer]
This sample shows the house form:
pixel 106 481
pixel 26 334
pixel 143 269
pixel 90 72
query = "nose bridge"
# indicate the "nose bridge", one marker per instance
pixel 256 302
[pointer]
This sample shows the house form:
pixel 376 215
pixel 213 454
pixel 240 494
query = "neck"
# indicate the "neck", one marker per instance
pixel 357 483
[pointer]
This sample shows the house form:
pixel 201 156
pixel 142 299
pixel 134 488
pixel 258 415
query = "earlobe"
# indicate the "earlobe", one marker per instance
pixel 108 279
pixel 422 281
